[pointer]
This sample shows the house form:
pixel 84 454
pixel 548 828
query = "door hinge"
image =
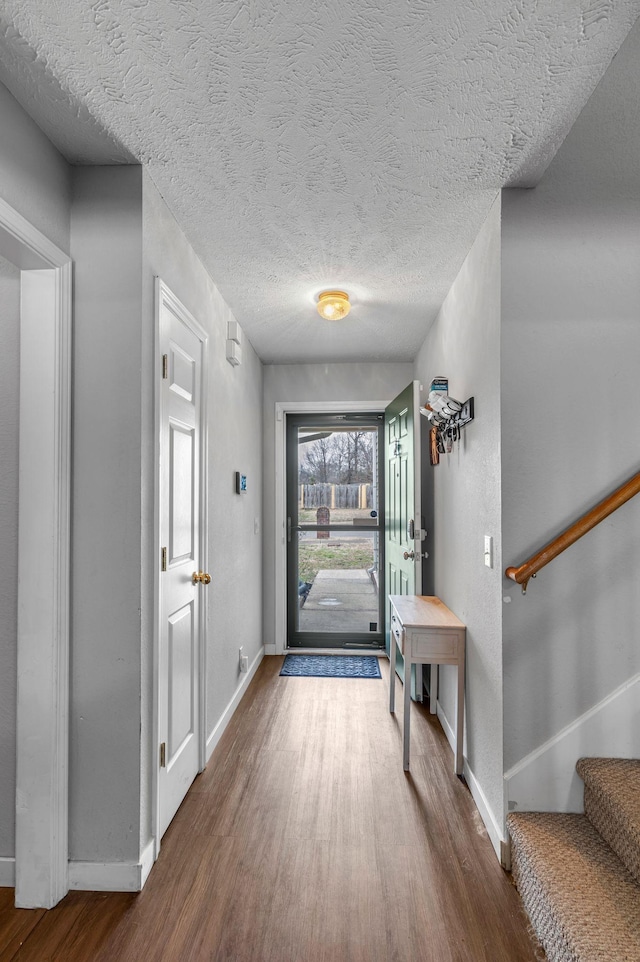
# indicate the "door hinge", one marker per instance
pixel 165 366
pixel 164 559
pixel 163 755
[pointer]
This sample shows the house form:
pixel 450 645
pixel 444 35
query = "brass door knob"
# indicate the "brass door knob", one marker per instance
pixel 201 577
pixel 409 555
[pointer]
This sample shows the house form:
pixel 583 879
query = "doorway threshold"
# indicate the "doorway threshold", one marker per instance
pixel 356 649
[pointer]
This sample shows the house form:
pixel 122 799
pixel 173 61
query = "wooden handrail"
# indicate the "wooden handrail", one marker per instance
pixel 530 568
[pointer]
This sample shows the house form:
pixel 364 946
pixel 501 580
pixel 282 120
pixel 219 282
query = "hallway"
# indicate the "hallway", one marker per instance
pixel 304 840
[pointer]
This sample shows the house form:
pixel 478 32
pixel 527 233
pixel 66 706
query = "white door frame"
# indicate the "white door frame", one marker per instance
pixel 164 297
pixel 280 509
pixel 42 716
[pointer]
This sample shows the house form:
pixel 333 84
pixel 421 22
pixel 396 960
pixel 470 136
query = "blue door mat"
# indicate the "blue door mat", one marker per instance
pixel 331 666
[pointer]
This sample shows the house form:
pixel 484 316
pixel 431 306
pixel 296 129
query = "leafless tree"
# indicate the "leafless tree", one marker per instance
pixel 344 457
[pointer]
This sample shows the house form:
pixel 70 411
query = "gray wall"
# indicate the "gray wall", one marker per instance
pixel 9 413
pixel 464 345
pixel 571 414
pixel 34 178
pixel 234 609
pixel 106 245
pixel 312 382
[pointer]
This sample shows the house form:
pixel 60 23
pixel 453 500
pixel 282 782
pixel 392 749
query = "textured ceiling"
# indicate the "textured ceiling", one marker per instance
pixel 304 145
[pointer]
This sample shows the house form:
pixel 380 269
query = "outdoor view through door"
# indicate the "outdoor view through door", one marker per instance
pixel 335 532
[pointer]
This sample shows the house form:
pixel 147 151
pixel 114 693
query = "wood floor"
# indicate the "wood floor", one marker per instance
pixel 304 840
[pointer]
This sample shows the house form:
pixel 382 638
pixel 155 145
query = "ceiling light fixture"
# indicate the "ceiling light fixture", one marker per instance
pixel 333 305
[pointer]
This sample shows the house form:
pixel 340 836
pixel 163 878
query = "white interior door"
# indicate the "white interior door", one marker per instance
pixel 182 595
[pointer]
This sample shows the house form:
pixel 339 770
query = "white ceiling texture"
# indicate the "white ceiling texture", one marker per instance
pixel 311 144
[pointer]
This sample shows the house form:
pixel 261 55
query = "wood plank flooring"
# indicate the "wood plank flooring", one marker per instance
pixel 304 840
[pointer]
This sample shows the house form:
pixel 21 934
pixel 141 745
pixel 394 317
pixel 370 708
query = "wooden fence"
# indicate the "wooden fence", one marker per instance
pixel 336 495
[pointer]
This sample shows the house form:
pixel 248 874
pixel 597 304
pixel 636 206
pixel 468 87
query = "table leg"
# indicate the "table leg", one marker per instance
pixel 419 683
pixel 433 691
pixel 460 720
pixel 407 711
pixel 392 672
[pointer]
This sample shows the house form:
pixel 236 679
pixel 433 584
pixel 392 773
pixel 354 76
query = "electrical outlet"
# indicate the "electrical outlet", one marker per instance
pixel 243 660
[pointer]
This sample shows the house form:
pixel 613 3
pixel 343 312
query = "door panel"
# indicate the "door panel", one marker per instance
pixel 181 508
pixel 180 600
pixel 181 666
pixel 183 372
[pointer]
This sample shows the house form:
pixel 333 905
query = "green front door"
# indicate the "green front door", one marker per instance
pixel 403 513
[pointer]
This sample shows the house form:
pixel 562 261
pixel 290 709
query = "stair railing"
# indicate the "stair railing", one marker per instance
pixel 530 568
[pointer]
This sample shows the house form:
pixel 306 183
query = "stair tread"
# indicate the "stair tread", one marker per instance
pixel 619 780
pixel 583 903
pixel 612 804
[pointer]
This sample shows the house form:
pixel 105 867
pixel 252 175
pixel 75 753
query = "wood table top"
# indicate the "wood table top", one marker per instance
pixel 419 611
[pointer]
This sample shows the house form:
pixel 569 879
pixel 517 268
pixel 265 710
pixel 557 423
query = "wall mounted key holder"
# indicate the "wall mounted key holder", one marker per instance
pixel 447 417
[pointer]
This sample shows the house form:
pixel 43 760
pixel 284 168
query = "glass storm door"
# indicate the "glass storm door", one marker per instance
pixel 335 531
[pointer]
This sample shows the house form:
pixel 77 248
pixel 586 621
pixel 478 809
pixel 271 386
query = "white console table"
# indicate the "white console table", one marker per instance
pixel 427 633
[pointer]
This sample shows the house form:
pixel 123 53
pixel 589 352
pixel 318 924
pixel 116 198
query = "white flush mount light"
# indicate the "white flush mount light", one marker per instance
pixel 333 305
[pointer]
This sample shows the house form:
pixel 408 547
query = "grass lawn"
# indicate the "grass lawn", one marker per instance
pixel 314 556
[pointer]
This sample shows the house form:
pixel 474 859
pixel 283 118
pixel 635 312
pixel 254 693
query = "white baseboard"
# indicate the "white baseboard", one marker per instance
pixel 484 809
pixel 112 876
pixel 546 779
pixel 95 876
pixel 227 714
pixel 147 858
pixel 446 727
pixel 7 872
pixel 104 876
pixel 494 832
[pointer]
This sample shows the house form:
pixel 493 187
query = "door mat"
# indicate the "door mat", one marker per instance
pixel 331 666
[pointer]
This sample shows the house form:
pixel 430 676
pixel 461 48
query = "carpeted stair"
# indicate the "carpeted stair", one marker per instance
pixel 579 875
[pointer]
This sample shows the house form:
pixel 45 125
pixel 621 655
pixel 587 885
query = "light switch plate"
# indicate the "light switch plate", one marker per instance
pixel 488 551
